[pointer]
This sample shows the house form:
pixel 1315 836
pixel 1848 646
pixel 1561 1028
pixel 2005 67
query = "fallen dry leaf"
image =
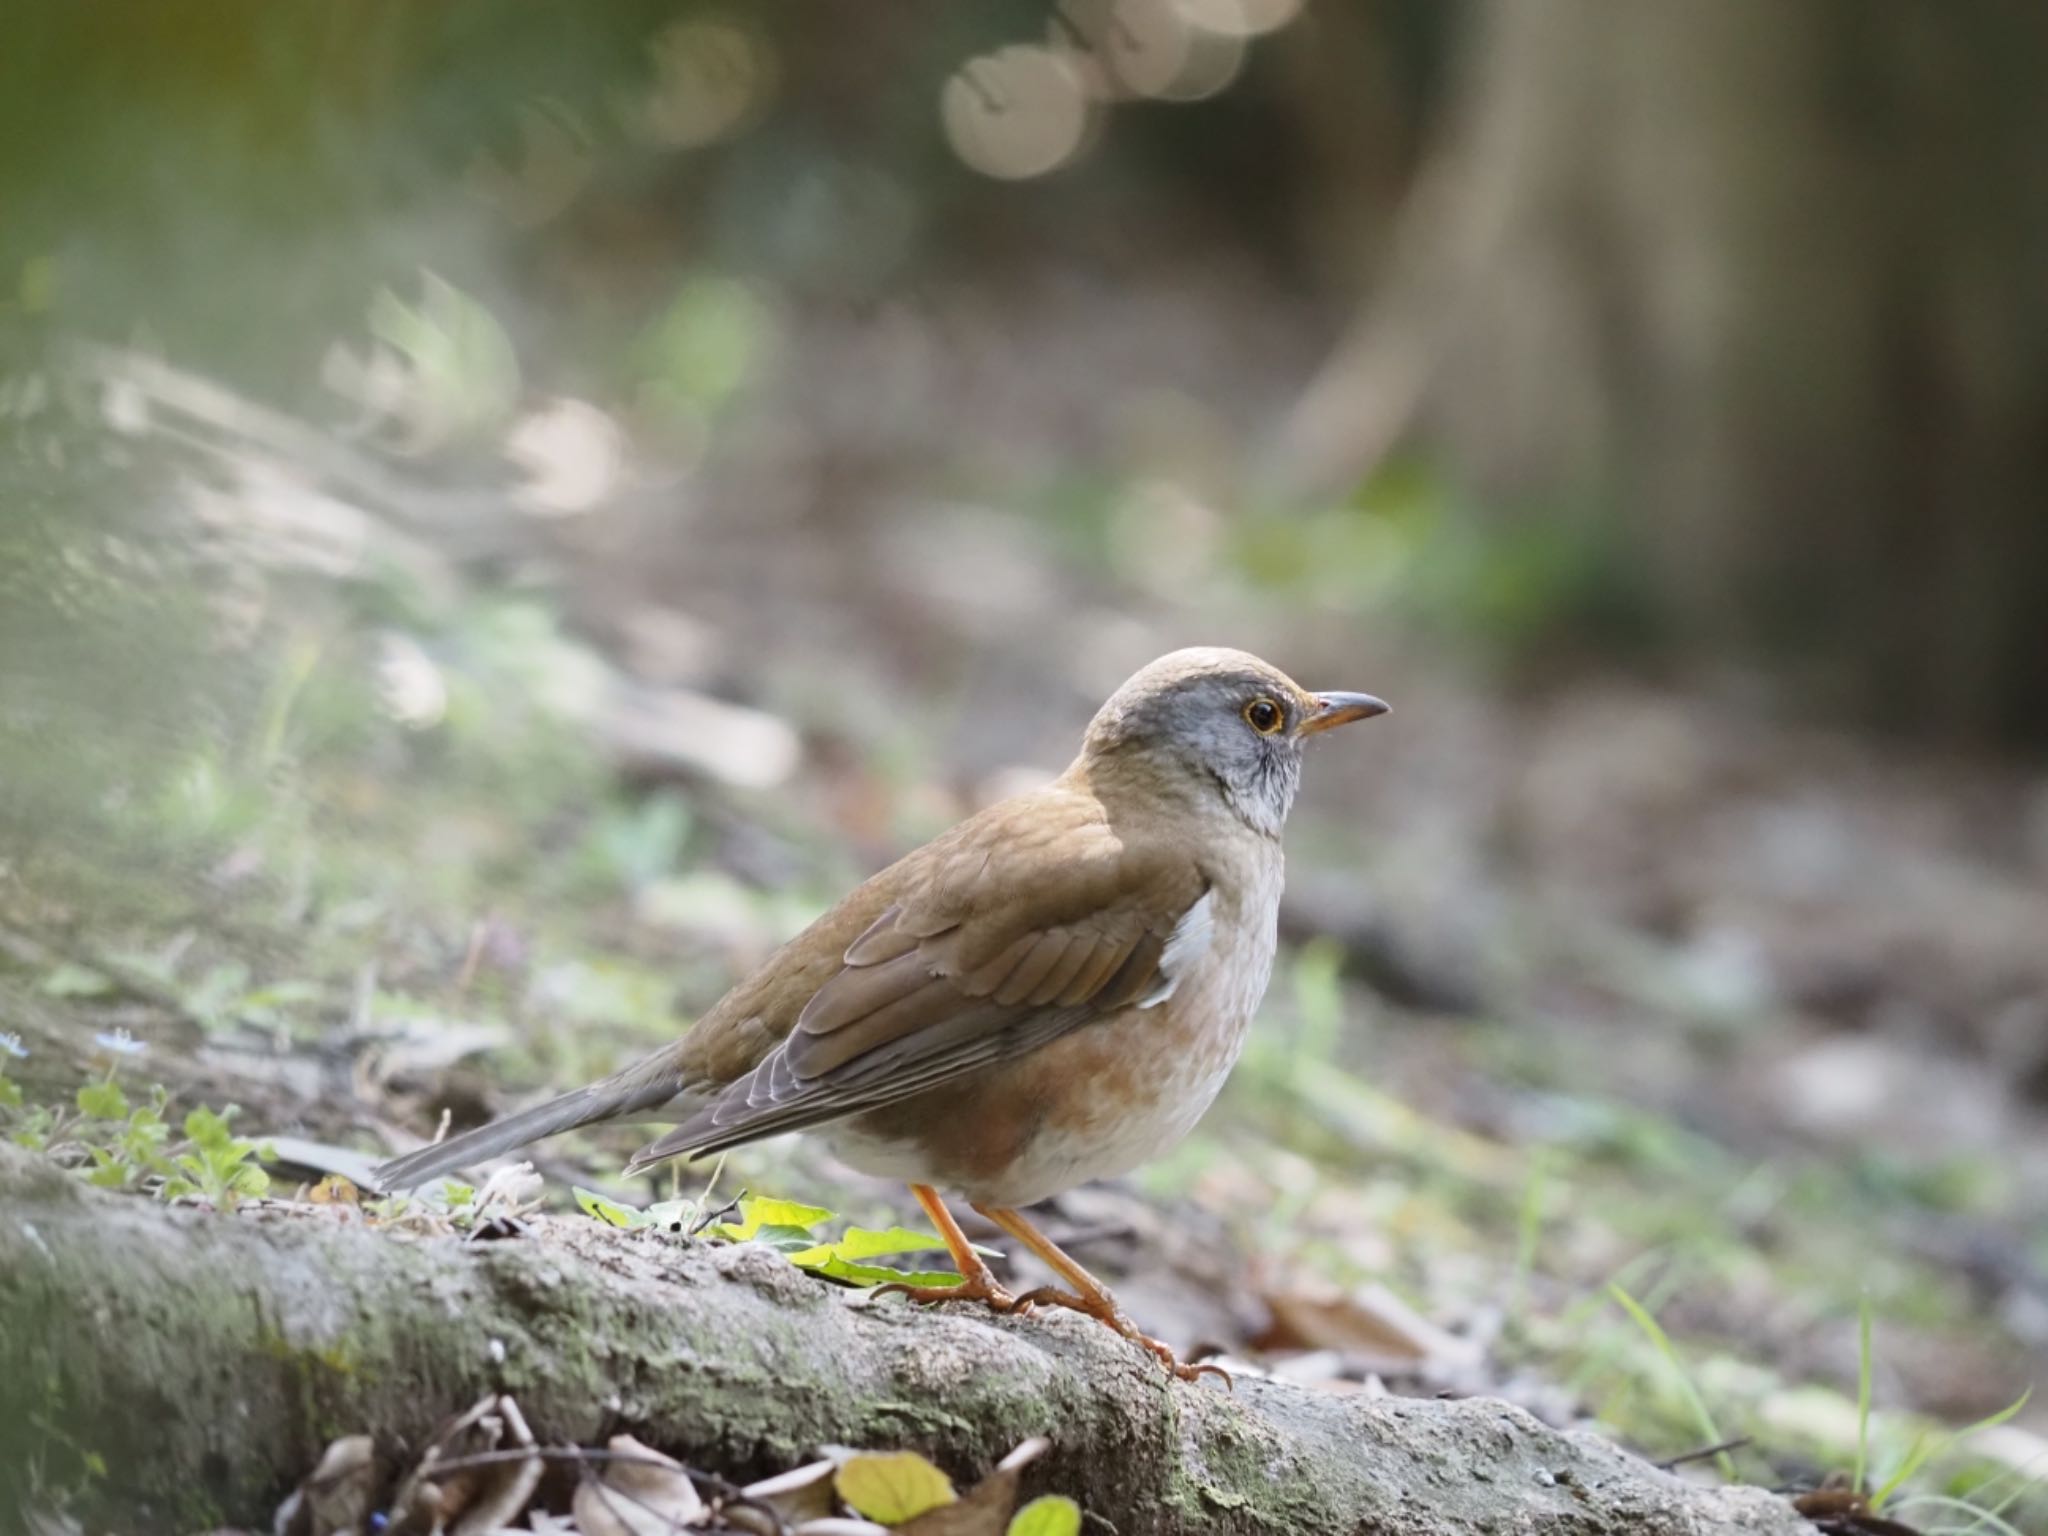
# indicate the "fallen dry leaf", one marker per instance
pixel 1369 1324
pixel 804 1493
pixel 440 1494
pixel 640 1493
pixel 337 1495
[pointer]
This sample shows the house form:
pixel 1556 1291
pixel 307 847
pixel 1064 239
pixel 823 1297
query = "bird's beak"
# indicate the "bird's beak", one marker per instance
pixel 1334 709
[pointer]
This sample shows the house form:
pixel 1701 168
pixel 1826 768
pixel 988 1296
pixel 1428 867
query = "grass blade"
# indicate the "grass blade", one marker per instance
pixel 1702 1414
pixel 1863 1371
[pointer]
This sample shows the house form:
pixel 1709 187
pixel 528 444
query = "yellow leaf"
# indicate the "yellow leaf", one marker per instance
pixel 334 1190
pixel 1053 1515
pixel 893 1488
pixel 758 1211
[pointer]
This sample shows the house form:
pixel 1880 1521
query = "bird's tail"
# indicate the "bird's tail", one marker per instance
pixel 631 1092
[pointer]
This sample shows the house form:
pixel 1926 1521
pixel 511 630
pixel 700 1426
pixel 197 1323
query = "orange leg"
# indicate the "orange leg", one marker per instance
pixel 977 1281
pixel 1091 1295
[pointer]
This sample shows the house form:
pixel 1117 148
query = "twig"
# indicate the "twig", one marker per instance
pixel 1702 1454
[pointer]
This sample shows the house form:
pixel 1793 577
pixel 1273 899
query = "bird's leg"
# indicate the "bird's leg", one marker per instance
pixel 977 1281
pixel 1090 1295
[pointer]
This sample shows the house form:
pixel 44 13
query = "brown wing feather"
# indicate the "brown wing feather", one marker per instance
pixel 969 972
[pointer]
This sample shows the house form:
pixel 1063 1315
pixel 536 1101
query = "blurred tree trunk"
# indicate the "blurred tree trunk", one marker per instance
pixel 1763 284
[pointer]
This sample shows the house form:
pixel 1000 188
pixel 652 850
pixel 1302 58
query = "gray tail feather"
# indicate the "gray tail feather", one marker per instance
pixel 611 1099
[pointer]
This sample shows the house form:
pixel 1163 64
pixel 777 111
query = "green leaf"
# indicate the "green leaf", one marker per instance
pixel 866 1243
pixel 610 1212
pixel 103 1101
pixel 249 1180
pixel 893 1488
pixel 1053 1515
pixel 758 1211
pixel 785 1239
pixel 10 1094
pixel 832 1267
pixel 208 1129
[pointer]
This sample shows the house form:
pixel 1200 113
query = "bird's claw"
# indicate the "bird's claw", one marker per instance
pixel 1113 1317
pixel 981 1288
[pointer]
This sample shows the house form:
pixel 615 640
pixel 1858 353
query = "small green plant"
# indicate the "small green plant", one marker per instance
pixel 1927 1445
pixel 11 1049
pixel 219 1166
pixel 118 1145
pixel 131 1145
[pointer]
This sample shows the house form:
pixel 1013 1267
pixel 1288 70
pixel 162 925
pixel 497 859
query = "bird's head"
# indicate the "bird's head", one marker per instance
pixel 1224 721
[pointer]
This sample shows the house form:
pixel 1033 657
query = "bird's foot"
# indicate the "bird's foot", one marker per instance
pixel 1104 1310
pixel 982 1287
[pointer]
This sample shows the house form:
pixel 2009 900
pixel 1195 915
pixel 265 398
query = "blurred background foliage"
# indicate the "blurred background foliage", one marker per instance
pixel 506 511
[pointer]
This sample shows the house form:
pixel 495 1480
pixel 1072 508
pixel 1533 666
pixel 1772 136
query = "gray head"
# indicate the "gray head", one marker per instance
pixel 1239 723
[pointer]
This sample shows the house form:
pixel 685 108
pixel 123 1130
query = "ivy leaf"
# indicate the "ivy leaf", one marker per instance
pixel 610 1212
pixel 785 1239
pixel 1053 1515
pixel 866 1243
pixel 832 1267
pixel 893 1488
pixel 758 1211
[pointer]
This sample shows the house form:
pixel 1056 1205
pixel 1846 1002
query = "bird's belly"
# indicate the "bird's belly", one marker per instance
pixel 1093 1104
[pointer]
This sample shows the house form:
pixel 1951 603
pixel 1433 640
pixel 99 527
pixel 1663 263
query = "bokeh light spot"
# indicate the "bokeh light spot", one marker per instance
pixel 1019 112
pixel 712 78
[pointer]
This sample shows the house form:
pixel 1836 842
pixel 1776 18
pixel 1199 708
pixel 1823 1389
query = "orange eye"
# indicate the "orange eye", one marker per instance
pixel 1264 716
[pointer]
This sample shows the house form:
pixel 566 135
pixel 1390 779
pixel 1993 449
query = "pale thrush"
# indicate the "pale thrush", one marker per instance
pixel 1051 992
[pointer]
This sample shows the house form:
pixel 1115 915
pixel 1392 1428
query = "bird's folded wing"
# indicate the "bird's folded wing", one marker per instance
pixel 994 952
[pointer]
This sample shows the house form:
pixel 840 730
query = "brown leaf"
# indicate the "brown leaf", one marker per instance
pixel 804 1493
pixel 338 1494
pixel 642 1493
pixel 1369 1323
pixel 469 1501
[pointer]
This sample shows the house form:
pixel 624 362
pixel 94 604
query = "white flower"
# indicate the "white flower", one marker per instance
pixel 10 1044
pixel 120 1042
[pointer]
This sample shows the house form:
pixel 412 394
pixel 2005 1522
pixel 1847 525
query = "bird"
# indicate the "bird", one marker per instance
pixel 1050 993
